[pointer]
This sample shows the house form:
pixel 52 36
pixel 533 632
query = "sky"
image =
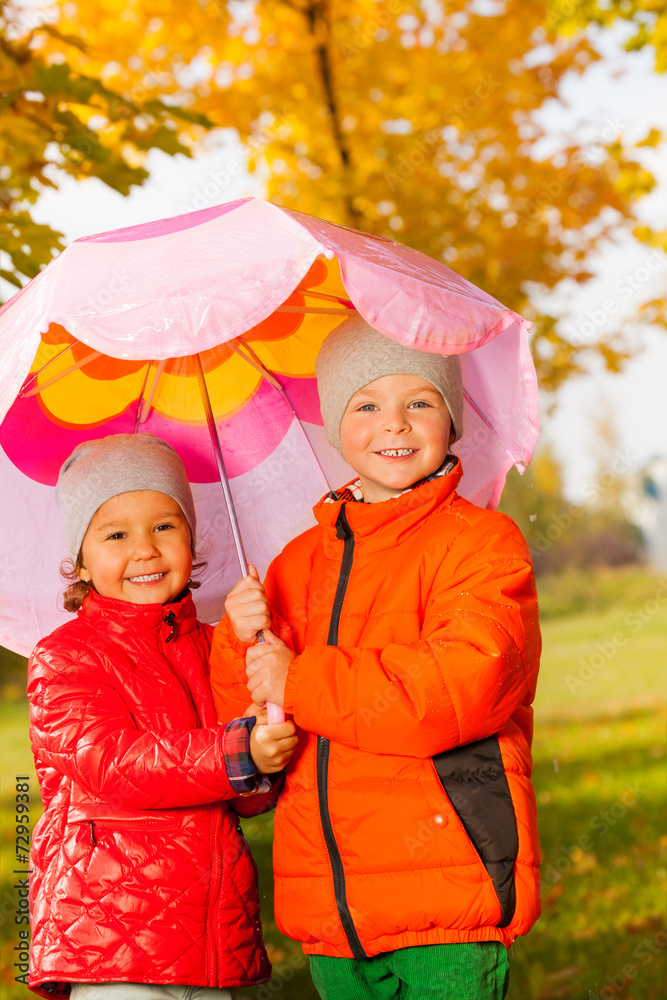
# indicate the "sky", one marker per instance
pixel 619 96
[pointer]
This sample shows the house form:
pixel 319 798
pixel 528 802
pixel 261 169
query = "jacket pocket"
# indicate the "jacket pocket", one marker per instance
pixel 474 780
pixel 101 825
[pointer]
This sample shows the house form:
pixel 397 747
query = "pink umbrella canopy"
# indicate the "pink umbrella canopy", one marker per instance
pixel 111 336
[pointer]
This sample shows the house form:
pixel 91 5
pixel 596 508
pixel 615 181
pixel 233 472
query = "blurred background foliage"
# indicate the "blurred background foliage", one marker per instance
pixel 415 121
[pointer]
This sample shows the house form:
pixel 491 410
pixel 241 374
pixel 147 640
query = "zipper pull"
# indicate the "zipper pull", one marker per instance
pixel 170 620
pixel 343 529
pixel 92 831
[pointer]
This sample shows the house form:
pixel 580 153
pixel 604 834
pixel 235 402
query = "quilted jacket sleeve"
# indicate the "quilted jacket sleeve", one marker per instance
pixel 475 663
pixel 81 726
pixel 254 805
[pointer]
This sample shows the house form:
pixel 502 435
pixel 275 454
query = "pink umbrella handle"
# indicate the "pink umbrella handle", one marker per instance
pixel 274 713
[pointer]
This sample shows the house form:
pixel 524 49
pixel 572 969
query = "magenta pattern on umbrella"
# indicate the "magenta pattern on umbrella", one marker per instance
pixel 38 446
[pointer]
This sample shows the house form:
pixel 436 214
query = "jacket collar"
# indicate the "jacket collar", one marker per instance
pixel 115 616
pixel 381 525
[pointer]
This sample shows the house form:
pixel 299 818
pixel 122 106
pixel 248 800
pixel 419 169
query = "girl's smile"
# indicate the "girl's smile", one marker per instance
pixel 137 548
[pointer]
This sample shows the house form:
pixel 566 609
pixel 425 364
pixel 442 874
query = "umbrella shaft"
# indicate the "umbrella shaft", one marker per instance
pixel 219 461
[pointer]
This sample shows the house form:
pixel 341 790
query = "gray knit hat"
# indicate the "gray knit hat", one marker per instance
pixel 98 470
pixel 355 354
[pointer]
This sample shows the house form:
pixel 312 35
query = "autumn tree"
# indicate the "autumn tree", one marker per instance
pixel 55 115
pixel 646 21
pixel 590 532
pixel 409 120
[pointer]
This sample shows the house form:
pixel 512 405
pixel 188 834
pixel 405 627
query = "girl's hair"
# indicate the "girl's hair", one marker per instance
pixel 78 590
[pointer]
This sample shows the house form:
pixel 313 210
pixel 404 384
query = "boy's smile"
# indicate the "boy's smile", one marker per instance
pixel 394 432
pixel 137 548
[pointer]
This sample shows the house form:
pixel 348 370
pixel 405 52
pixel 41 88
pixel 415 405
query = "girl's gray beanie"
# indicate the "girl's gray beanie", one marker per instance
pixel 355 354
pixel 98 470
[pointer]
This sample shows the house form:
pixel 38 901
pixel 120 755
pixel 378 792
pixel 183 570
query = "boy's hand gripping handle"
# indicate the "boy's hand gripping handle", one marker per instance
pixel 274 713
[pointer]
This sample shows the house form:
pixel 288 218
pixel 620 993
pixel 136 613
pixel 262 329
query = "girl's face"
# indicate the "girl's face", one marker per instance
pixel 137 548
pixel 394 432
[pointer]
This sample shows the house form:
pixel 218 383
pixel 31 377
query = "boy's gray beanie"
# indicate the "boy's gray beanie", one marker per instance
pixel 355 354
pixel 98 470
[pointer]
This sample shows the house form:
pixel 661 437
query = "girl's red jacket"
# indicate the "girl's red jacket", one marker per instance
pixel 408 816
pixel 139 871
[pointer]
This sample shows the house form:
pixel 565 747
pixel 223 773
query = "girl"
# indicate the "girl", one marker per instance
pixel 142 885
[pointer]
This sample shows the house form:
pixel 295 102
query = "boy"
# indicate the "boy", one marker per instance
pixel 406 852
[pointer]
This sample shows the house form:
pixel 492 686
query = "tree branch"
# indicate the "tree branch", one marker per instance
pixel 317 15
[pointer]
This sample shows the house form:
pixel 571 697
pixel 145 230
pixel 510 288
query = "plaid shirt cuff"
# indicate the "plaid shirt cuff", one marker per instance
pixel 241 771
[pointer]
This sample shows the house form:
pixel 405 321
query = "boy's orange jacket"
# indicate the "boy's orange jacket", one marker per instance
pixel 408 816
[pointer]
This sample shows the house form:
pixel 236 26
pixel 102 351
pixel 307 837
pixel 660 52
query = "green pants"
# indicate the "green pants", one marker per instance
pixel 474 971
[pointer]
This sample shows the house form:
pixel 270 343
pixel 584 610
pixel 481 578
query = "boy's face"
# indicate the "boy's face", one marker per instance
pixel 137 548
pixel 395 431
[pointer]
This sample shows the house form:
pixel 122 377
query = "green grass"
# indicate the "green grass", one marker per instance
pixel 599 775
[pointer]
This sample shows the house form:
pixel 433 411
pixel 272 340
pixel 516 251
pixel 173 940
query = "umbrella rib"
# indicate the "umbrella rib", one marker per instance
pixel 260 366
pixel 488 424
pixel 255 362
pixel 148 401
pixel 56 378
pixel 220 462
pixel 36 374
pixel 141 397
pixel 312 309
pixel 326 295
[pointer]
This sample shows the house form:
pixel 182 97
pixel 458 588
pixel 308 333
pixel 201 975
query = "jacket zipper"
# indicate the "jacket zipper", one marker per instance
pixel 215 828
pixel 214 892
pixel 170 620
pixel 344 532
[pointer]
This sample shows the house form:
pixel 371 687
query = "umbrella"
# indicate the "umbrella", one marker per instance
pixel 203 329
